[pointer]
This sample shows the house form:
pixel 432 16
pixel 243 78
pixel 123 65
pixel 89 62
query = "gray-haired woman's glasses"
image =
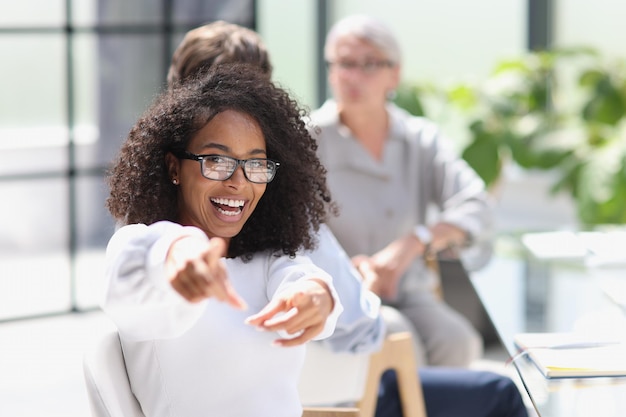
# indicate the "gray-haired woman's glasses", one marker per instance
pixel 221 168
pixel 368 67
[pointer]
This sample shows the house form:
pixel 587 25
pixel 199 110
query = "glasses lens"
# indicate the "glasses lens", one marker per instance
pixel 370 67
pixel 216 167
pixel 259 170
pixel 220 168
pixel 366 67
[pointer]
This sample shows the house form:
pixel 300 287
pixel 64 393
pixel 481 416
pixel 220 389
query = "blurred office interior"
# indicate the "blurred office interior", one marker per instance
pixel 76 74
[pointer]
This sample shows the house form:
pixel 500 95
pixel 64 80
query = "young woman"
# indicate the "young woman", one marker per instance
pixel 219 187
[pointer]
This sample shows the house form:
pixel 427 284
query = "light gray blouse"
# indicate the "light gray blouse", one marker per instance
pixel 382 200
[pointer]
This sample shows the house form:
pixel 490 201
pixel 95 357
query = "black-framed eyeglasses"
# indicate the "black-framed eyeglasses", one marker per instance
pixel 220 167
pixel 366 67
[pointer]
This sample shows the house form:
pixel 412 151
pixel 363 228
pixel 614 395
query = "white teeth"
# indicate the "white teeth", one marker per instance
pixel 228 202
pixel 229 213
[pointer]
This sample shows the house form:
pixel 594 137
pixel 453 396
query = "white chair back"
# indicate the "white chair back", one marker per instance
pixel 346 384
pixel 108 388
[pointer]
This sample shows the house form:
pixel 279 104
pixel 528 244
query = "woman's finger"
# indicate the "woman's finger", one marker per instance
pixel 274 307
pixel 306 335
pixel 217 282
pixel 304 313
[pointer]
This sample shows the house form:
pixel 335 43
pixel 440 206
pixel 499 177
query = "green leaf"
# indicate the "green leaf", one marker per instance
pixel 407 97
pixel 539 98
pixel 463 96
pixel 607 108
pixel 602 188
pixel 528 157
pixel 591 78
pixel 569 179
pixel 484 157
pixel 517 65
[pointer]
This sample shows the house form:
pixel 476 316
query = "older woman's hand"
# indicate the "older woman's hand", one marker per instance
pixel 196 271
pixel 382 271
pixel 302 310
pixel 373 280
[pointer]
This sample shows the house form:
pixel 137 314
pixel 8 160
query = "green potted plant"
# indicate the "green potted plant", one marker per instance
pixel 560 110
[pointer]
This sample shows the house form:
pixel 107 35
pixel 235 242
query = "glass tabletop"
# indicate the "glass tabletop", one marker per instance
pixel 530 293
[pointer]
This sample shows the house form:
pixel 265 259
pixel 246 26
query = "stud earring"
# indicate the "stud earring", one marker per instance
pixel 175 181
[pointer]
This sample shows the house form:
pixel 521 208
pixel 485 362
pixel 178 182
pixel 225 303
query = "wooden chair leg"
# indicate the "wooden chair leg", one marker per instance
pixel 397 354
pixel 330 412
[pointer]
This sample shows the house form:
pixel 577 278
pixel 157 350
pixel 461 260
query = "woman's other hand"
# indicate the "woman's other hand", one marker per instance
pixel 196 271
pixel 301 310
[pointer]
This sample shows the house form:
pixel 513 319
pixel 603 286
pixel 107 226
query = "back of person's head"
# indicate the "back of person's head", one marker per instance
pixel 367 28
pixel 217 43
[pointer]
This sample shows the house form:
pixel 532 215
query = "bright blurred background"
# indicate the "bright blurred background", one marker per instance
pixel 76 74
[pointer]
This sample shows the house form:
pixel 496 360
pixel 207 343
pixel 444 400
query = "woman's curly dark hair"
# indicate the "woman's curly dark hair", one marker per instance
pixel 295 203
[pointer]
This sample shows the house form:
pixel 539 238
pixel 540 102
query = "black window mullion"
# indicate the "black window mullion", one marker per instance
pixel 540 24
pixel 322 28
pixel 71 152
pixel 167 33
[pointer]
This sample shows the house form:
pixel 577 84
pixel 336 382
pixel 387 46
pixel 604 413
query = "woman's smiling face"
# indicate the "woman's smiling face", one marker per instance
pixel 220 208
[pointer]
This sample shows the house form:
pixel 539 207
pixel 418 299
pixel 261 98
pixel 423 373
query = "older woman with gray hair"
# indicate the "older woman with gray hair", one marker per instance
pixel 387 170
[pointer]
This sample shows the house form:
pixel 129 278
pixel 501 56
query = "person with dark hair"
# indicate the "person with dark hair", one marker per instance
pixel 219 42
pixel 218 188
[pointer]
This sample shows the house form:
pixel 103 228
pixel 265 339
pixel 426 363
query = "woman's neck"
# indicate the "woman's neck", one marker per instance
pixel 370 128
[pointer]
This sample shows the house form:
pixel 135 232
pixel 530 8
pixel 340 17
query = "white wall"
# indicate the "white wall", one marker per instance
pixel 288 29
pixel 448 39
pixel 597 23
pixel 441 39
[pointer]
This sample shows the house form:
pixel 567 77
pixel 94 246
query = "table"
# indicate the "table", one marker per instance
pixel 534 294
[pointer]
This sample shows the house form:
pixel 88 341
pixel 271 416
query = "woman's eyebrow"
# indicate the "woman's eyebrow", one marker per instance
pixel 219 146
pixel 224 148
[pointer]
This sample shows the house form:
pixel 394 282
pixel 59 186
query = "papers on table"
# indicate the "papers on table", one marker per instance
pixel 555 245
pixel 571 355
pixel 592 248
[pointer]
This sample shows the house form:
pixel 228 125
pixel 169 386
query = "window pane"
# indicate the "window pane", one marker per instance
pixel 32 13
pixel 19 159
pixel 34 259
pixel 121 78
pixel 576 25
pixel 116 12
pixel 84 12
pixel 95 227
pixel 33 76
pixel 119 54
pixel 199 12
pixel 85 88
pixel 33 128
pixel 94 223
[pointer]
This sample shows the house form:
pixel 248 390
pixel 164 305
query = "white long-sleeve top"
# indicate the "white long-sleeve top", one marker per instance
pixel 201 359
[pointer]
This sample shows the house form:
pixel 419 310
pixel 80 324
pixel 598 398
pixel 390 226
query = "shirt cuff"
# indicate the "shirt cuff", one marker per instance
pixel 155 262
